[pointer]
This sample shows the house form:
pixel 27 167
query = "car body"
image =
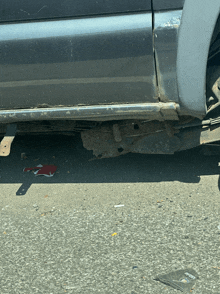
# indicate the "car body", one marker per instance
pixel 145 72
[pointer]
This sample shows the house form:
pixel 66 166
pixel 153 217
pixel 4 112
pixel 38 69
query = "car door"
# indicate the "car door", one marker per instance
pixel 81 52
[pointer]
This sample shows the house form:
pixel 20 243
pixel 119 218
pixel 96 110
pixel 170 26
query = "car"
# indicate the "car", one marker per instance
pixel 137 76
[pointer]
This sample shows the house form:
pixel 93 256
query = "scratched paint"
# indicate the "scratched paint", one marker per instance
pixel 173 22
pixel 169 20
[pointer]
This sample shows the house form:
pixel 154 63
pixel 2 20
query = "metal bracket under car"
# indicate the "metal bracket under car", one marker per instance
pixel 5 146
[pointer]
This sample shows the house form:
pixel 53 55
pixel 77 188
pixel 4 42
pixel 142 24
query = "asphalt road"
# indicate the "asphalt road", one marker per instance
pixel 63 234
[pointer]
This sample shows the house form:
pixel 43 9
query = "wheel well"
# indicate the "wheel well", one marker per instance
pixel 213 70
pixel 216 30
pixel 195 34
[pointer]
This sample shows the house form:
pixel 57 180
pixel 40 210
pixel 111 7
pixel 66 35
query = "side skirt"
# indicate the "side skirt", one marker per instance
pixel 149 111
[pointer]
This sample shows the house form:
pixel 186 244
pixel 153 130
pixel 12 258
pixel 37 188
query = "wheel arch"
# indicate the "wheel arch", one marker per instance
pixel 196 30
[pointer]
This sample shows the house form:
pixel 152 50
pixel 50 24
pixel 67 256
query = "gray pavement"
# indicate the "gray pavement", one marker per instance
pixel 64 235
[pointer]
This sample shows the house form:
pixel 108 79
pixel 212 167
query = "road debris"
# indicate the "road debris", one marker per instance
pixel 114 234
pixel 69 287
pixel 182 280
pixel 36 207
pixel 45 213
pixel 42 170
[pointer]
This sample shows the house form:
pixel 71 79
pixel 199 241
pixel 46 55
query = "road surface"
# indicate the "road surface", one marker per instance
pixel 63 234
